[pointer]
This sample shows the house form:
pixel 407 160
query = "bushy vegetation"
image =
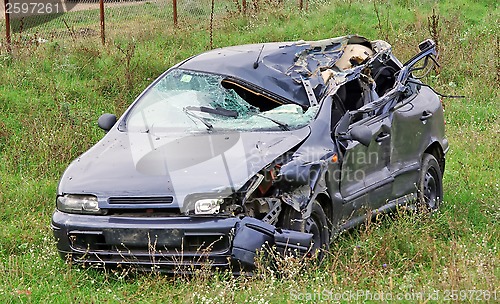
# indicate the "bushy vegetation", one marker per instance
pixel 52 93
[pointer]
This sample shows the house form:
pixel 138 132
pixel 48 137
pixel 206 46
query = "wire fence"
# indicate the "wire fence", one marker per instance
pixel 79 19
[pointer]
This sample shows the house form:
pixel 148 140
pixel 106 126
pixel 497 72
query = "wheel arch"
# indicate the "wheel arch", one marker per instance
pixel 326 203
pixel 436 150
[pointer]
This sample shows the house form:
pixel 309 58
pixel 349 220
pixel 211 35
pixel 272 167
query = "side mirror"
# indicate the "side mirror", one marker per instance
pixel 426 44
pixel 362 134
pixel 106 121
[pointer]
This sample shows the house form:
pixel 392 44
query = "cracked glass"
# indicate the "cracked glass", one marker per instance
pixel 188 101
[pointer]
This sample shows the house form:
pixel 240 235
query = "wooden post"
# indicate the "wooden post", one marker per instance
pixel 212 24
pixel 7 25
pixel 174 4
pixel 244 4
pixel 301 4
pixel 103 33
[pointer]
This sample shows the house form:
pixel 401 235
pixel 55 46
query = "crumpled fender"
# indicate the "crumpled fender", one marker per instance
pixel 298 173
pixel 305 173
pixel 252 235
pixel 309 180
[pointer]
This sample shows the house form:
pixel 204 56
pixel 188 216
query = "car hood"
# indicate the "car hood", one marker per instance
pixel 179 167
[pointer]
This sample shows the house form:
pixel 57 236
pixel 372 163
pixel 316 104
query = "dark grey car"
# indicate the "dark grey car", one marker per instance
pixel 276 144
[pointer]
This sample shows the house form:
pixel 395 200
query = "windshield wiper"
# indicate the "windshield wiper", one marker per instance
pixel 218 111
pixel 283 126
pixel 206 123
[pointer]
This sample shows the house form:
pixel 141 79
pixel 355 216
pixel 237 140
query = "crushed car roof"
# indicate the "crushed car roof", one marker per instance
pixel 284 70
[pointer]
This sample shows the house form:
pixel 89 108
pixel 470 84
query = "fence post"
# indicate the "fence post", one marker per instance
pixel 212 6
pixel 244 4
pixel 301 4
pixel 174 8
pixel 103 33
pixel 7 25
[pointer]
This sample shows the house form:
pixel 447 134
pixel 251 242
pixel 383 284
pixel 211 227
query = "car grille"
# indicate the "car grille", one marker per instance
pixel 144 212
pixel 141 200
pixel 188 250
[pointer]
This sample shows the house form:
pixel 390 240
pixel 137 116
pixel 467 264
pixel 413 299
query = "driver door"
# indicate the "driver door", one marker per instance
pixel 365 181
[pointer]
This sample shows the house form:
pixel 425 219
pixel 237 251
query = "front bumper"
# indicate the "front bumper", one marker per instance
pixel 179 243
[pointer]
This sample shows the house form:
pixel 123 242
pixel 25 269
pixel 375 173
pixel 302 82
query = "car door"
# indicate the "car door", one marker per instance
pixel 366 181
pixel 417 118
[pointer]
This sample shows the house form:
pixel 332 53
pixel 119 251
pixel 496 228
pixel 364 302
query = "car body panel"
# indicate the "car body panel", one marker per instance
pixel 145 165
pixel 178 243
pixel 278 68
pixel 412 135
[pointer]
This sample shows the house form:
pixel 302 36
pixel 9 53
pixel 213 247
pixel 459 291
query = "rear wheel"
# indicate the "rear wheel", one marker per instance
pixel 316 225
pixel 430 184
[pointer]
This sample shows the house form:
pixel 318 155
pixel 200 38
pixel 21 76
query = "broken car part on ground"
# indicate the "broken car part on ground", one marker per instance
pixel 278 145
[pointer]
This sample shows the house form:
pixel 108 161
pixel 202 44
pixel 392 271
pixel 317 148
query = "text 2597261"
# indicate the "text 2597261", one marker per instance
pixel 34 8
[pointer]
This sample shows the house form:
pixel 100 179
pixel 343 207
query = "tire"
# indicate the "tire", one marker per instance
pixel 316 224
pixel 430 184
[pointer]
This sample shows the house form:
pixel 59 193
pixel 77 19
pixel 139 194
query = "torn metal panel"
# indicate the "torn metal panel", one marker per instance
pixel 282 66
pixel 309 163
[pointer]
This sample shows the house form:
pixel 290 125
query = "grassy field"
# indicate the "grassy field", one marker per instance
pixel 52 94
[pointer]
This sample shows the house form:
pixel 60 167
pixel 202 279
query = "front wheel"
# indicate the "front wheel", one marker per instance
pixel 430 184
pixel 316 224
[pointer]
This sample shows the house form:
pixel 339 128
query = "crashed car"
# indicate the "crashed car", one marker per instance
pixel 276 145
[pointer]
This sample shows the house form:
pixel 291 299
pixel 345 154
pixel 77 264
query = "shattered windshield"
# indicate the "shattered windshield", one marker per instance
pixel 187 101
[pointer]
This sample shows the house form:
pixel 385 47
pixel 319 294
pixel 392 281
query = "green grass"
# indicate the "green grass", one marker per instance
pixel 52 94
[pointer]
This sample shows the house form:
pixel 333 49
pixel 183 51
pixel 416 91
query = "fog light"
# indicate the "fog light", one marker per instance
pixel 207 206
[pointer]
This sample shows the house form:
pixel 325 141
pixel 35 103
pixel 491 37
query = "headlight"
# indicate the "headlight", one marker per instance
pixel 208 206
pixel 83 204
